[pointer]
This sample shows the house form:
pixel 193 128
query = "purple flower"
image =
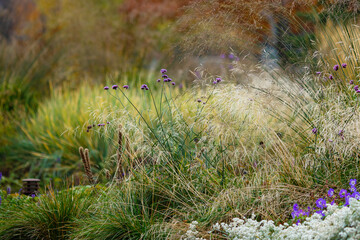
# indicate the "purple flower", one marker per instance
pixel 218 80
pixel 163 70
pixel 8 190
pixel 321 203
pixel 330 140
pixel 126 86
pixel 108 122
pixel 298 221
pixel 332 202
pixel 106 88
pixel 356 195
pixel 159 80
pixel 231 56
pixel 144 87
pixel 331 192
pixel 351 82
pixel 342 193
pixel 353 188
pixel 237 59
pixel 314 130
pixel 215 82
pixel 222 56
pixel 321 213
pixel 352 182
pixel 356 87
pixel 173 83
pixel 358 91
pixel 199 100
pixel 347 200
pixel 0 176
pixel 344 65
pixel 181 86
pixel 318 73
pixel 164 76
pixel 33 195
pixel 101 124
pixel 331 77
pixel 341 132
pixel 114 87
pixel 336 67
pixel 296 207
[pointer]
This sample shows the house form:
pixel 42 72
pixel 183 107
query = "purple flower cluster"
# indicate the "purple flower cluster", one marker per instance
pixel 298 213
pixel 166 77
pixel 314 130
pixel 144 87
pixel 336 68
pixel 99 125
pixel 231 56
pixel 116 87
pixel 217 80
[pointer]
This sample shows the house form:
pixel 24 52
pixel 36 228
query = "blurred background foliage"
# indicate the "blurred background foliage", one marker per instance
pixel 55 53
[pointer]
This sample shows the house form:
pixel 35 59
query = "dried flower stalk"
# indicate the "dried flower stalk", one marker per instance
pixel 84 154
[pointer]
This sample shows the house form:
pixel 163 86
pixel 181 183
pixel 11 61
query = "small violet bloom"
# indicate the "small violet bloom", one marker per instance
pixel 106 88
pixel 356 195
pixel 331 77
pixel 321 213
pixel 163 70
pixel 356 87
pixel 0 176
pixel 344 65
pixel 144 87
pixel 331 192
pixel 114 87
pixel 231 56
pixel 336 67
pixel 164 76
pixel 173 83
pixel 318 73
pixel 33 195
pixel 347 200
pixel 8 190
pixel 351 82
pixel 199 100
pixel 296 207
pixel 218 80
pixel 126 86
pixel 159 80
pixel 353 189
pixel 215 82
pixel 352 182
pixel 321 203
pixel 342 193
pixel 314 130
pixel 222 56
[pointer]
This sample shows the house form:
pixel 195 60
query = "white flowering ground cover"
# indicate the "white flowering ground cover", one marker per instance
pixel 338 223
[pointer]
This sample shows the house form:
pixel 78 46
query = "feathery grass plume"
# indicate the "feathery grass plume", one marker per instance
pixel 86 162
